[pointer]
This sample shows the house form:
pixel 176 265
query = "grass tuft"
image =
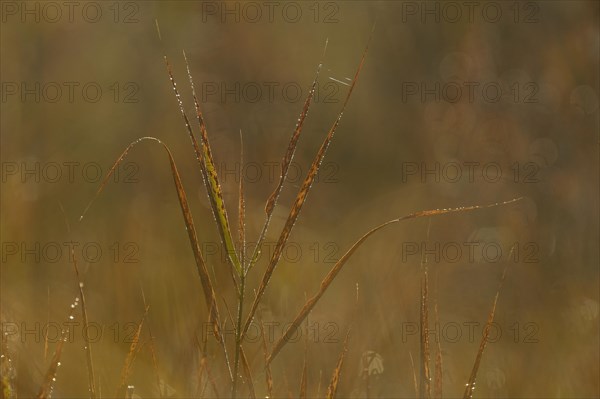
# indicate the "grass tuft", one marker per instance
pixel 240 265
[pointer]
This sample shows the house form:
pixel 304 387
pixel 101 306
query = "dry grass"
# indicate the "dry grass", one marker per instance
pixel 240 266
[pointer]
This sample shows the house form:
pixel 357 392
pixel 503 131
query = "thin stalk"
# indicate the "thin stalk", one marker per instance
pixel 425 380
pixel 242 285
pixel 285 164
pixel 238 336
pixel 300 200
pixel 88 346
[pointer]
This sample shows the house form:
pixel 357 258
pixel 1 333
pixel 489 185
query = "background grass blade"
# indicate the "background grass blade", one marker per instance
pixel 300 199
pixel 7 371
pixel 247 373
pixel 310 304
pixel 50 377
pixel 205 367
pixel 152 349
pixel 470 387
pixel 88 346
pixel 304 378
pixel 414 374
pixel 335 378
pixel 128 364
pixel 268 375
pixel 425 380
pixel 438 379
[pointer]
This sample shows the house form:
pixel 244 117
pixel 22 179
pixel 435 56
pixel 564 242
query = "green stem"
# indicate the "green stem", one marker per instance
pixel 238 333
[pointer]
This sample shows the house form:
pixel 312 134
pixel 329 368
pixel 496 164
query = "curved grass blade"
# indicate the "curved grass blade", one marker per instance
pixel 300 199
pixel 310 304
pixel 335 378
pixel 470 386
pixel 207 286
pixel 209 171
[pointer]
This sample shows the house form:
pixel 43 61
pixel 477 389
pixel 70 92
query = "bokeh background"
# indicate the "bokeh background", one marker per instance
pixel 542 133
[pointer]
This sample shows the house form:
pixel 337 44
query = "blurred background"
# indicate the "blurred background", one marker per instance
pixel 456 105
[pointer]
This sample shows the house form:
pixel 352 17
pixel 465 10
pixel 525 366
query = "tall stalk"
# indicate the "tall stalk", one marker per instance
pixel 243 273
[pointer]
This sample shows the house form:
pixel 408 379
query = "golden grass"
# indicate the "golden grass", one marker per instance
pixel 240 266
